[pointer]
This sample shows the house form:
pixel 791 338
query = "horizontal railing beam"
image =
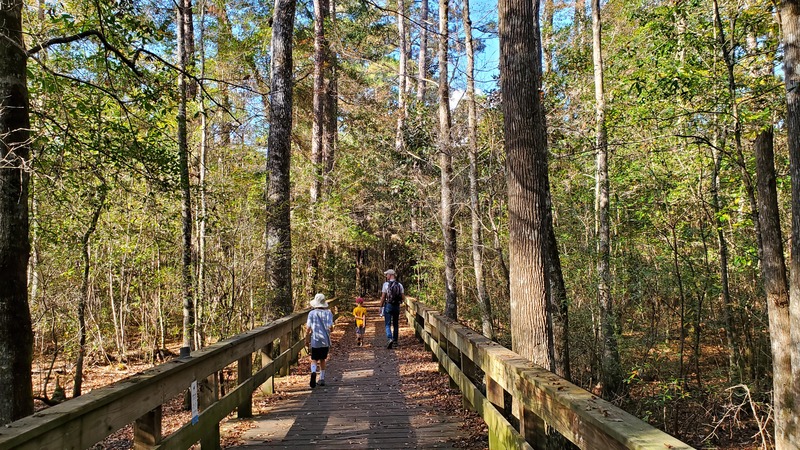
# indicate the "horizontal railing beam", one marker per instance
pixel 82 422
pixel 586 420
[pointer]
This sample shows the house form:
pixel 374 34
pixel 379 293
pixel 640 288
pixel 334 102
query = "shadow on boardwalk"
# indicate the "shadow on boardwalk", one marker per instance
pixel 374 399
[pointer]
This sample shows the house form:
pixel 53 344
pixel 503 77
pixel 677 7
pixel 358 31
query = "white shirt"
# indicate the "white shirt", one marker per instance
pixel 385 289
pixel 320 321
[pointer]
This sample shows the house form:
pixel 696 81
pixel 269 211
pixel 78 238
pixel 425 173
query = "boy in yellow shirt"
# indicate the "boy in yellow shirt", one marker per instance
pixel 360 313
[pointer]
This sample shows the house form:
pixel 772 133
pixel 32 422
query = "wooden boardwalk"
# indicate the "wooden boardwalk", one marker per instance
pixel 372 400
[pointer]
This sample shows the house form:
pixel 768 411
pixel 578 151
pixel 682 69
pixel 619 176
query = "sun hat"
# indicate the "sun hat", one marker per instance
pixel 319 301
pixel 359 300
pixel 390 272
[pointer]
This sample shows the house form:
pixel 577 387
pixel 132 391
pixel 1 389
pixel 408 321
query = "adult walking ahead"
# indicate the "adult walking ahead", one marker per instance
pixel 392 296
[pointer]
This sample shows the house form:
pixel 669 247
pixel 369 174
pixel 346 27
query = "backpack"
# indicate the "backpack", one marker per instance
pixel 394 293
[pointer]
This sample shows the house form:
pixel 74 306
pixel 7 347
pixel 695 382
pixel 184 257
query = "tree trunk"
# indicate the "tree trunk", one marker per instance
pixel 184 47
pixel 558 301
pixel 319 100
pixel 16 334
pixel 773 271
pixel 422 62
pixel 330 129
pixel 734 373
pixel 611 370
pixel 84 298
pixel 200 333
pixel 279 236
pixel 446 163
pixel 790 26
pixel 527 180
pixel 579 19
pixel 472 129
pixel 402 76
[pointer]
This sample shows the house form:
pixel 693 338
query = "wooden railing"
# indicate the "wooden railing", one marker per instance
pixel 81 422
pixel 504 387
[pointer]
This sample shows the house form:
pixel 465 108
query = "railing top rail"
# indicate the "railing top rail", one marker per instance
pixel 102 411
pixel 585 419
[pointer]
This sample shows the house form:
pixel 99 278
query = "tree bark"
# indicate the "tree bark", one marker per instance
pixel 84 298
pixel 402 76
pixel 734 355
pixel 422 61
pixel 485 305
pixel 790 26
pixel 16 334
pixel 318 103
pixel 330 129
pixel 202 218
pixel 185 46
pixel 611 370
pixel 446 166
pixel 279 236
pixel 579 19
pixel 558 301
pixel 773 271
pixel 527 180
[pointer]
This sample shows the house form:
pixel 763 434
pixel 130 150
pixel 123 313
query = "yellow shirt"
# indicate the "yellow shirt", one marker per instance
pixel 360 314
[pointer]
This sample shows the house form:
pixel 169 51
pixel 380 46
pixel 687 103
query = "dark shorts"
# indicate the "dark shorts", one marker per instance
pixel 319 353
pixel 360 330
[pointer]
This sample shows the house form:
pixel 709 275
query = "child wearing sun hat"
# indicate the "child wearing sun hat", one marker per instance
pixel 319 326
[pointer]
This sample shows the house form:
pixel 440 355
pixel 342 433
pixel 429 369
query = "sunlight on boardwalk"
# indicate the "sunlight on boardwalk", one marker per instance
pixel 368 401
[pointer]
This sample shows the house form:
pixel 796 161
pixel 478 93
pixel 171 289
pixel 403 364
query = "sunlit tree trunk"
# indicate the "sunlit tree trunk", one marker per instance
pixel 184 28
pixel 202 218
pixel 330 129
pixel 16 334
pixel 422 62
pixel 790 25
pixel 446 166
pixel 773 271
pixel 579 19
pixel 318 102
pixel 611 371
pixel 527 179
pixel 279 236
pixel 472 130
pixel 402 76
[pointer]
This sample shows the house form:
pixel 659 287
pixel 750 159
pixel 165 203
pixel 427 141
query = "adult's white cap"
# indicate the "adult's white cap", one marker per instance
pixel 390 272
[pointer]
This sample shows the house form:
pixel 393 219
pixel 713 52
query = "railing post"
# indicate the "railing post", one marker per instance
pixel 209 394
pixel 268 387
pixel 147 430
pixel 454 353
pixel 244 370
pixel 470 371
pixel 532 427
pixel 286 344
pixel 297 333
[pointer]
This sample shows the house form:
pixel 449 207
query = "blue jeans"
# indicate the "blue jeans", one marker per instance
pixel 391 316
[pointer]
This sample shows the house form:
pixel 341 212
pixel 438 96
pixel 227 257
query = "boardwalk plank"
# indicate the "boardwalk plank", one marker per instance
pixel 361 407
